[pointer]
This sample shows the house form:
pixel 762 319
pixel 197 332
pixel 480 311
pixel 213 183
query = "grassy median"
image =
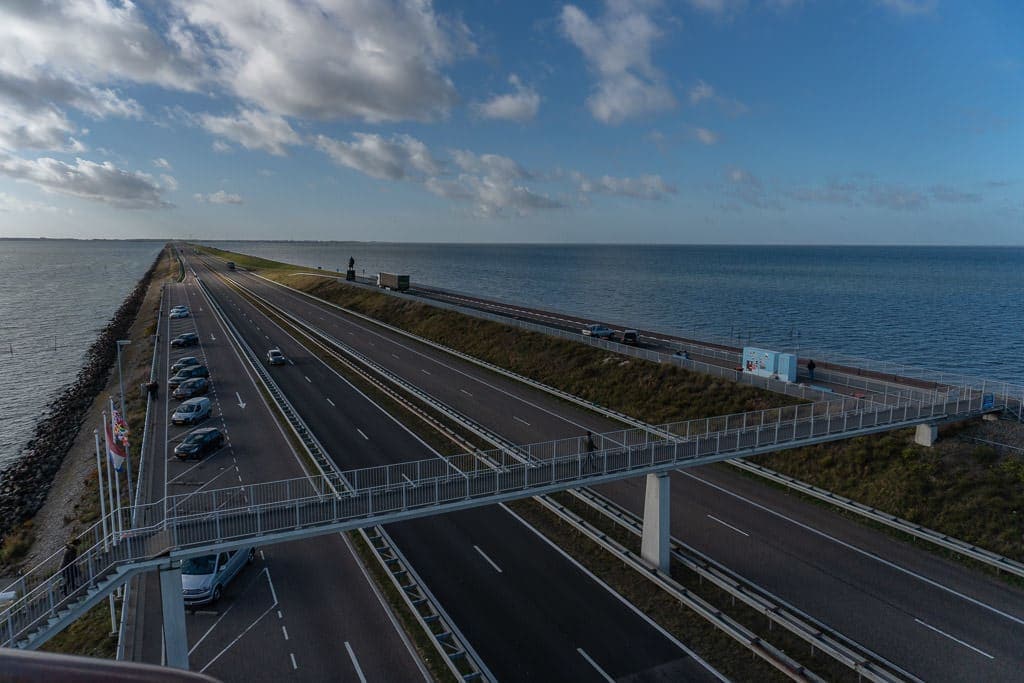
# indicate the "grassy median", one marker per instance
pixel 969 491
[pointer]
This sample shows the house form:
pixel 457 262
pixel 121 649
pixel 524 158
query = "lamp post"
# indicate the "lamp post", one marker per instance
pixel 124 416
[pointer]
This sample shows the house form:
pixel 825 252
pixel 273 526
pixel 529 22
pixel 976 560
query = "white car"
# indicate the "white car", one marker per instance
pixel 599 331
pixel 180 312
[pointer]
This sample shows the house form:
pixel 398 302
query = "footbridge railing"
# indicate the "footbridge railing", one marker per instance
pixel 56 592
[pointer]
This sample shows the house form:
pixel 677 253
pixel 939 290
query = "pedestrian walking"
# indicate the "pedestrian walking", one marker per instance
pixel 69 570
pixel 810 369
pixel 590 449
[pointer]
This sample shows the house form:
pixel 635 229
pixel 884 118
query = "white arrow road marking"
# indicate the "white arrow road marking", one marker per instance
pixel 212 338
pixel 241 403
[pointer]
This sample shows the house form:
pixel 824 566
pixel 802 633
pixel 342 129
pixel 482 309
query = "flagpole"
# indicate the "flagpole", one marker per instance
pixel 127 453
pixel 103 516
pixel 110 480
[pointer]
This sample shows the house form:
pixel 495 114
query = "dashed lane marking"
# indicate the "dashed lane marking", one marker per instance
pixel 284 630
pixel 489 560
pixel 292 655
pixel 362 433
pixel 514 417
pixel 716 519
pixel 331 402
pixel 466 393
pixel 955 640
pixel 355 662
pixel 308 379
pixel 592 663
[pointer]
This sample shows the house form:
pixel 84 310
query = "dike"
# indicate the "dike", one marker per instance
pixel 25 484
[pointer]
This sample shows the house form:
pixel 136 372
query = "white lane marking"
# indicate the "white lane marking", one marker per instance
pixel 592 663
pixel 264 558
pixel 616 595
pixel 466 393
pixel 247 628
pixel 355 662
pixel 712 517
pixel 291 361
pixel 308 379
pixel 860 551
pixel 362 433
pixel 395 356
pixel 425 372
pixel 292 655
pixel 332 403
pixel 521 420
pixel 279 616
pixel 955 640
pixel 284 631
pixel 489 560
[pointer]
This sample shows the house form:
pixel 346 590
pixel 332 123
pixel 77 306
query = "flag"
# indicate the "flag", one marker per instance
pixel 120 428
pixel 115 451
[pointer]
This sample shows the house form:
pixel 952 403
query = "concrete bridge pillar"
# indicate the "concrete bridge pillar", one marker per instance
pixel 654 542
pixel 926 435
pixel 173 604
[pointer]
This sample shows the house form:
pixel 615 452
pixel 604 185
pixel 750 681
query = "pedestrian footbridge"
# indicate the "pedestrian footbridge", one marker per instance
pixel 50 596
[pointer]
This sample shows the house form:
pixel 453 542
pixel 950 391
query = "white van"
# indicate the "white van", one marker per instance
pixel 192 411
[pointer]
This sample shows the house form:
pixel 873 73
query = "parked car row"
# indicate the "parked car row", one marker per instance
pixel 603 332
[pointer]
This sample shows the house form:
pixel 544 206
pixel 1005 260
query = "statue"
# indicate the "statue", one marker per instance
pixel 350 274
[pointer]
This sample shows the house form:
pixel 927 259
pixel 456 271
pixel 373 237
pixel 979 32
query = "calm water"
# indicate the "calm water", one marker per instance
pixel 55 297
pixel 953 308
pixel 960 309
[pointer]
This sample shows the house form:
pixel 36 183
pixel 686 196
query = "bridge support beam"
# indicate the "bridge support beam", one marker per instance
pixel 926 435
pixel 654 543
pixel 175 638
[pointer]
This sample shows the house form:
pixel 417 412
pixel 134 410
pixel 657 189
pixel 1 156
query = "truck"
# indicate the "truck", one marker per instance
pixel 398 283
pixel 231 265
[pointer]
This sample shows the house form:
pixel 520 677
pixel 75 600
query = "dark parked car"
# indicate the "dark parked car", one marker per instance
pixel 630 337
pixel 185 362
pixel 188 373
pixel 200 443
pixel 187 339
pixel 196 386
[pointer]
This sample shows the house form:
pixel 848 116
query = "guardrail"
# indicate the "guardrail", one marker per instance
pixel 204 520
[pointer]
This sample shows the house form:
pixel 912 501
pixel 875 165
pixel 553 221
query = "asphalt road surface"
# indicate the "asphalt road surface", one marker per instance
pixel 935 618
pixel 528 610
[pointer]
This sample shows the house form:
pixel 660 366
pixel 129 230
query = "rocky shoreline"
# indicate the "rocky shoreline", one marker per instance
pixel 25 484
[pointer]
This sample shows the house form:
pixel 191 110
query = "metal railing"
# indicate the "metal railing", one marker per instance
pixel 199 522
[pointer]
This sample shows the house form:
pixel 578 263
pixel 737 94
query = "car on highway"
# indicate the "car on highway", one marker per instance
pixel 630 337
pixel 275 357
pixel 191 387
pixel 185 362
pixel 182 312
pixel 204 578
pixel 191 411
pixel 599 331
pixel 186 339
pixel 199 443
pixel 188 373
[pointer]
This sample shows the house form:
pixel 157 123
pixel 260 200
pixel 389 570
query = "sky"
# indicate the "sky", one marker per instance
pixel 615 121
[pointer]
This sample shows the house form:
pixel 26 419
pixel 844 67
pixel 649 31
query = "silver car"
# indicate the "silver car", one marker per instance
pixel 204 578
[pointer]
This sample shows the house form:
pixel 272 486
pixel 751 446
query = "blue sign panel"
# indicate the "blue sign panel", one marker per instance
pixel 988 401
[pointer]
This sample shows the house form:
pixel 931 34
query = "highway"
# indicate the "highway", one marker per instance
pixel 275 619
pixel 527 609
pixel 936 618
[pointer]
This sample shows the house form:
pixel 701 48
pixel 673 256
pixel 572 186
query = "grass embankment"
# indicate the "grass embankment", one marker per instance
pixel 964 490
pixel 91 635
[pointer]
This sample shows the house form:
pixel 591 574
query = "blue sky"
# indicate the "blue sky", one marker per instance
pixel 637 121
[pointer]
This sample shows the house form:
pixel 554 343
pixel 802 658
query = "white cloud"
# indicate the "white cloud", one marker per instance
pixel 895 197
pixel 908 7
pixel 218 197
pixel 169 182
pixel 705 136
pixel 743 187
pixel 253 129
pixel 718 7
pixel 162 163
pixel 703 91
pixel 87 180
pixel 521 105
pixel 220 147
pixel 643 187
pixel 11 204
pixel 375 61
pixel 618 48
pixel 952 195
pixel 378 157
